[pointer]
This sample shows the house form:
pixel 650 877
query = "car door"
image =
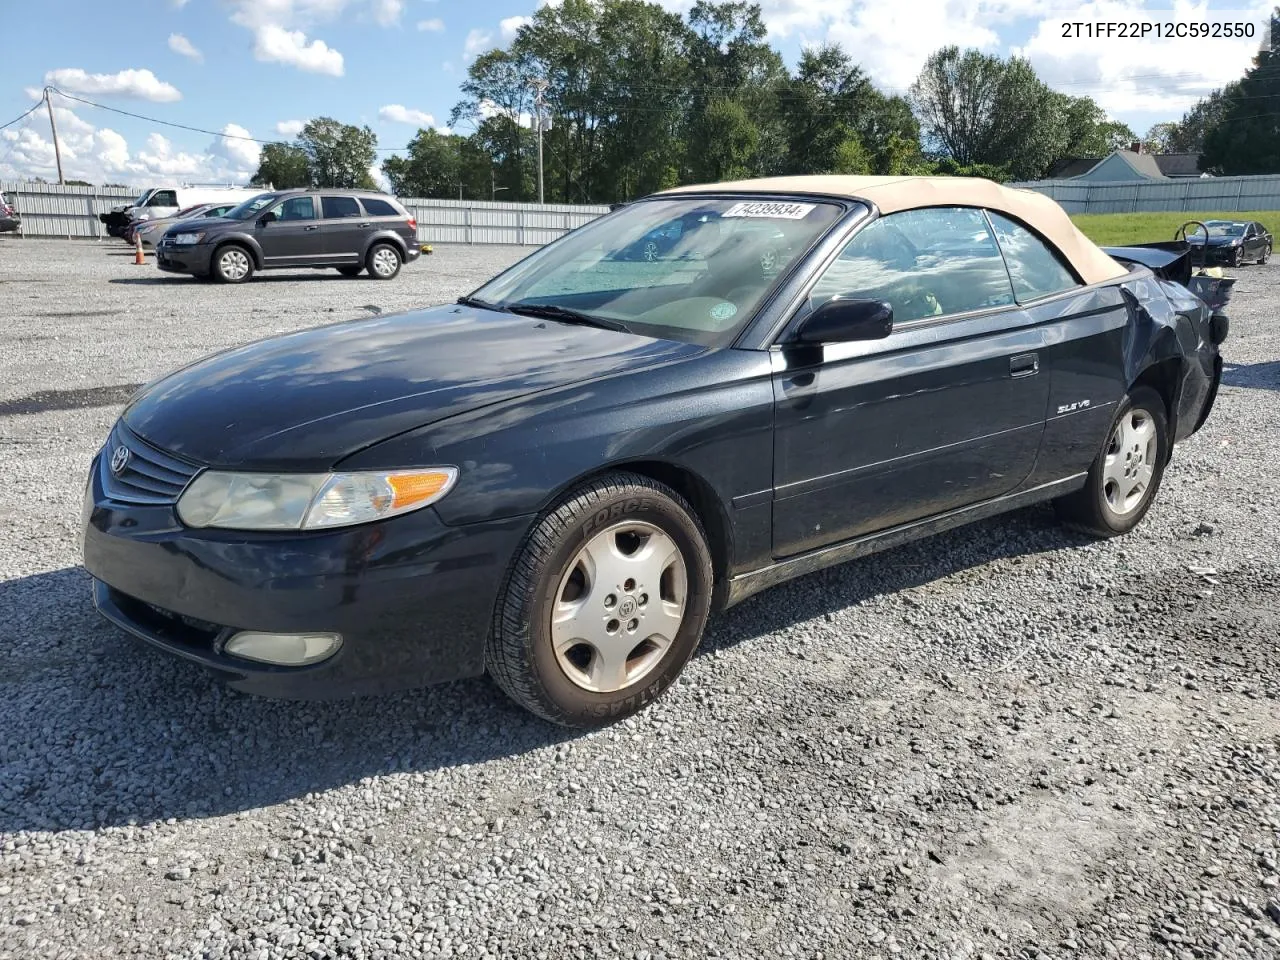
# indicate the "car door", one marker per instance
pixel 294 236
pixel 346 229
pixel 948 410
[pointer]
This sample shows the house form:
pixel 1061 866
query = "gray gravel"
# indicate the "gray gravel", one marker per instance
pixel 1003 742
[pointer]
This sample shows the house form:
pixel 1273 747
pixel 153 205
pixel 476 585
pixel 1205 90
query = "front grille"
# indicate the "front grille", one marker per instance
pixel 150 476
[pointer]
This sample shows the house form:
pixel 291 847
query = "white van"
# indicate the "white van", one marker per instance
pixel 164 201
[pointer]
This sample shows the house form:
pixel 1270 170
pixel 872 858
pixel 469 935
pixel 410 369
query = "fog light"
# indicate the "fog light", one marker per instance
pixel 284 649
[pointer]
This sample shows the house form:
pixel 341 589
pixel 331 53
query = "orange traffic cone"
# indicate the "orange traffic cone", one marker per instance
pixel 138 259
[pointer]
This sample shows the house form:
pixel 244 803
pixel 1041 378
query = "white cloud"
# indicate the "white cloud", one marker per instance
pixel 395 113
pixel 239 153
pixel 103 155
pixel 511 26
pixel 1123 75
pixel 477 42
pixel 289 128
pixel 489 109
pixel 180 44
pixel 387 12
pixel 273 44
pixel 138 84
pixel 380 179
pixel 434 25
pixel 179 4
pixel 278 35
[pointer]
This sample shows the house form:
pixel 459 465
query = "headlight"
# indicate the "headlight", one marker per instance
pixel 188 238
pixel 308 501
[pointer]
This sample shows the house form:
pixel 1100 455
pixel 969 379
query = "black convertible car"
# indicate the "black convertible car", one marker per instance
pixel 558 478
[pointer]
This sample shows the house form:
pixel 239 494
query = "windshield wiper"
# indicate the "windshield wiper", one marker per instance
pixel 482 304
pixel 553 311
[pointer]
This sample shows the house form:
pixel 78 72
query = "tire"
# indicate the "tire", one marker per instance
pixel 232 263
pixel 1266 253
pixel 350 271
pixel 1102 508
pixel 632 525
pixel 1234 260
pixel 383 261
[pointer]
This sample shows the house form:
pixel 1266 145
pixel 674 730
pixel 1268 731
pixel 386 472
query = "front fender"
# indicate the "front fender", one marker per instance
pixel 244 240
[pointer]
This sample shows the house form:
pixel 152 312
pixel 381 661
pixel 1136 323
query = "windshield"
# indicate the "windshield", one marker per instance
pixel 250 206
pixel 142 198
pixel 680 269
pixel 1223 228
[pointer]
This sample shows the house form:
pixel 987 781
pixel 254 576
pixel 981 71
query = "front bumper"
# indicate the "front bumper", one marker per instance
pixel 193 258
pixel 9 224
pixel 1215 254
pixel 411 597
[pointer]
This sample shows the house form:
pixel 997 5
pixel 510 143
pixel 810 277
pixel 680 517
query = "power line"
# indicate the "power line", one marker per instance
pixel 34 107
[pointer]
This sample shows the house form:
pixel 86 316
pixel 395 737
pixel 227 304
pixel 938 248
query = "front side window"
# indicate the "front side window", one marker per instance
pixel 337 208
pixel 924 263
pixel 1037 271
pixel 296 208
pixel 717 261
pixel 251 207
pixel 163 198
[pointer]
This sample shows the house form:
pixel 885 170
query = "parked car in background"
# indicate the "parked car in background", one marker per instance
pixel 150 231
pixel 558 478
pixel 10 222
pixel 1232 242
pixel 350 230
pixel 155 203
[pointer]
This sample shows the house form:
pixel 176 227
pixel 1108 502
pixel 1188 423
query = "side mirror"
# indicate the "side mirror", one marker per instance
pixel 268 217
pixel 841 320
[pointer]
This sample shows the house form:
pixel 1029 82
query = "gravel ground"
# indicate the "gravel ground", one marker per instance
pixel 1005 741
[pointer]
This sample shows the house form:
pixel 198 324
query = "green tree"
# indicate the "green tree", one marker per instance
pixel 1159 137
pixel 979 109
pixel 1188 134
pixel 823 104
pixel 430 168
pixel 282 166
pixel 338 154
pixel 728 141
pixel 1087 131
pixel 1245 138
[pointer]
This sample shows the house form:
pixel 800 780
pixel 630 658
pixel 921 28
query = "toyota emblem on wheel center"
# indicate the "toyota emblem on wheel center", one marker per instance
pixel 119 460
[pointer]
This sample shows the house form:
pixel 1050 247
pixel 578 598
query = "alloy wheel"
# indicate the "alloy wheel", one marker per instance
pixel 1130 462
pixel 619 606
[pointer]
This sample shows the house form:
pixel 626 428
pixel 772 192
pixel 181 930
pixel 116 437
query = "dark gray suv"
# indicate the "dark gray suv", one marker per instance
pixel 350 230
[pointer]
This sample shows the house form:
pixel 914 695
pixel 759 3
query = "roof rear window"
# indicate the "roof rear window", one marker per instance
pixel 379 208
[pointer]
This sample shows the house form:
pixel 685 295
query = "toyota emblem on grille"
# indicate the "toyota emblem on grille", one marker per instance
pixel 119 460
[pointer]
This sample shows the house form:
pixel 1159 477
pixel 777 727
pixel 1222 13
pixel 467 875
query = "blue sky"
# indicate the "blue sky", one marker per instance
pixel 259 67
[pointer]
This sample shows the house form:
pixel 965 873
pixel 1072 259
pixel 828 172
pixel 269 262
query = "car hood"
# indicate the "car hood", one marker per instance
pixel 203 223
pixel 305 400
pixel 1217 241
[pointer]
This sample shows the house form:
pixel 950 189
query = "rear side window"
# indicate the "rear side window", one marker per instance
pixel 337 208
pixel 1036 270
pixel 924 263
pixel 379 208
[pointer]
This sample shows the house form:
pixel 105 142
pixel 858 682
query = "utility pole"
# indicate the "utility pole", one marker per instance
pixel 57 153
pixel 539 101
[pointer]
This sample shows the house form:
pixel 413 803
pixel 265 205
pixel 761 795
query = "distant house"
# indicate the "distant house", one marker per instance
pixel 1122 165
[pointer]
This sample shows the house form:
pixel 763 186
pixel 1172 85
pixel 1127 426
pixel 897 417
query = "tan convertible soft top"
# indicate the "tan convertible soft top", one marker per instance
pixel 891 194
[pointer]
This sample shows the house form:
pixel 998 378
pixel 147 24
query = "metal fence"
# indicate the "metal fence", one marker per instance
pixel 1208 194
pixel 50 210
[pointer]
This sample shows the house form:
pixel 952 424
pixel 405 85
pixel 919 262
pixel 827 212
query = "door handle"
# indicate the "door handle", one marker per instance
pixel 313 227
pixel 366 224
pixel 1024 365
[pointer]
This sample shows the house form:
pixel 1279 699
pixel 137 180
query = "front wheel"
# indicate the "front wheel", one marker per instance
pixel 604 603
pixel 1126 474
pixel 1266 252
pixel 232 264
pixel 383 261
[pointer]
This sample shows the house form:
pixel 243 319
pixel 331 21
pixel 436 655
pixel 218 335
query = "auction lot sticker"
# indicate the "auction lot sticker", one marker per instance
pixel 770 210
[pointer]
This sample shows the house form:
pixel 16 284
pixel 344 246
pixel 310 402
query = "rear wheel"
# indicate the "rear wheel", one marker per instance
pixel 604 604
pixel 232 264
pixel 383 261
pixel 1126 474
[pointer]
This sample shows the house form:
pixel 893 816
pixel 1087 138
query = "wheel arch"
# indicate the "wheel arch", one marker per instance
pixel 254 251
pixel 388 236
pixel 706 503
pixel 1165 378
